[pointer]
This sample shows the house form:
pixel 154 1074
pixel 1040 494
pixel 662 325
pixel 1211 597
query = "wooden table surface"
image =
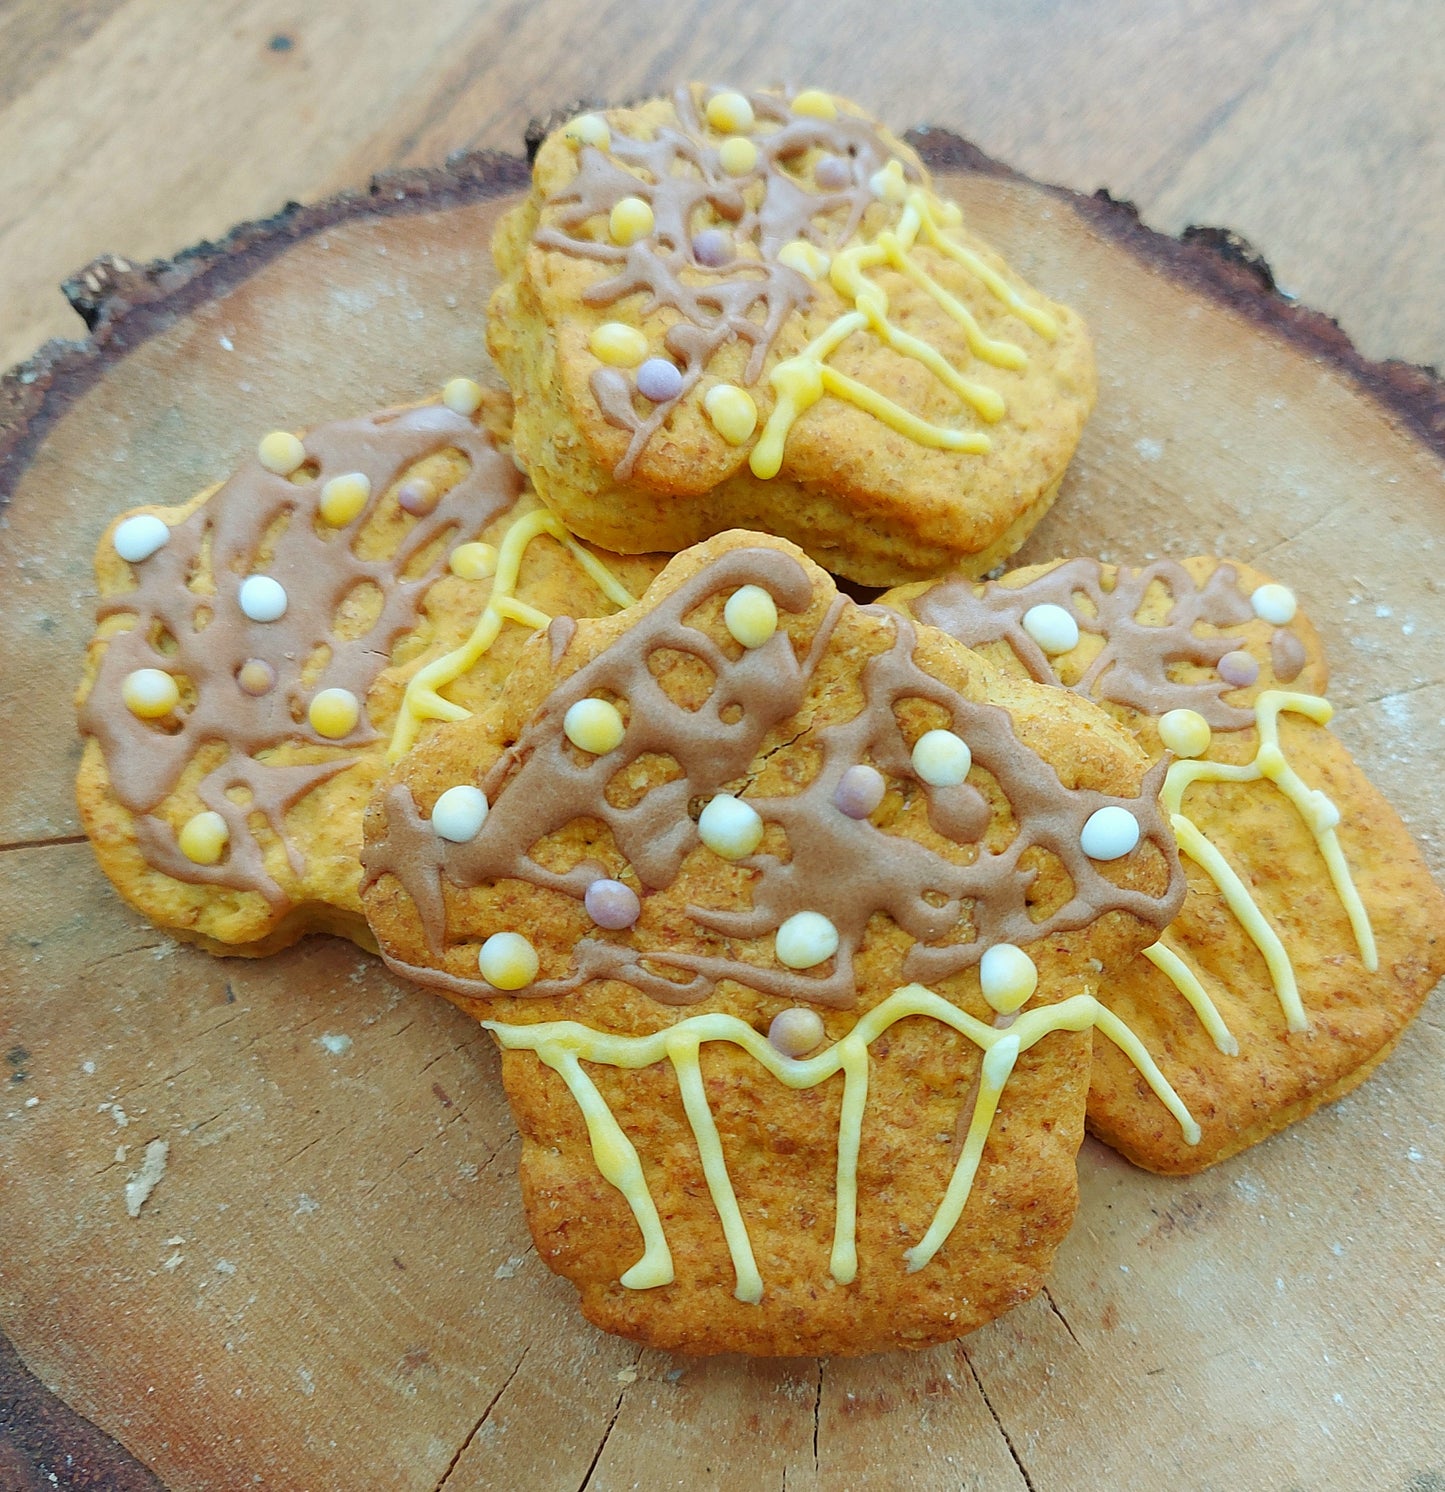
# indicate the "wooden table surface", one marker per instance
pixel 1312 127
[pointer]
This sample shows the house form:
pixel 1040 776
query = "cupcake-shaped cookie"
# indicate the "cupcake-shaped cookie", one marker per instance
pixel 1312 931
pixel 721 310
pixel 785 914
pixel 262 648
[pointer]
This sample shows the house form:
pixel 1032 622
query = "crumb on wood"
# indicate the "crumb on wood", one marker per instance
pixel 143 1183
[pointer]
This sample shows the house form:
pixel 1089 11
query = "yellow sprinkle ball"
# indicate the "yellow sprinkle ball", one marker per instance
pixel 889 184
pixel 343 498
pixel 730 113
pixel 1008 976
pixel 594 725
pixel 203 838
pixel 588 129
pixel 474 561
pixel 334 713
pixel 804 257
pixel 617 343
pixel 751 615
pixel 813 103
pixel 462 396
pixel 630 220
pixel 508 961
pixel 1185 732
pixel 738 155
pixel 150 693
pixel 732 412
pixel 281 452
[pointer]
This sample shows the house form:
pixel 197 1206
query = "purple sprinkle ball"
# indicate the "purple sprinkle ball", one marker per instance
pixel 860 790
pixel 833 173
pixel 417 497
pixel 612 904
pixel 1238 669
pixel 659 380
pixel 713 248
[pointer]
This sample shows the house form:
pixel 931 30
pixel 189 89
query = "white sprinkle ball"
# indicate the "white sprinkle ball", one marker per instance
pixel 459 813
pixel 594 725
pixel 1052 628
pixel 941 758
pixel 729 827
pixel 795 1032
pixel 1185 732
pixel 1008 977
pixel 1274 603
pixel 138 538
pixel 262 599
pixel 1109 834
pixel 806 939
pixel 751 615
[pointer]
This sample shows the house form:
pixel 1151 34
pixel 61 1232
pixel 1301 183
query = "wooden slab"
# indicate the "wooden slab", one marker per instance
pixel 332 1284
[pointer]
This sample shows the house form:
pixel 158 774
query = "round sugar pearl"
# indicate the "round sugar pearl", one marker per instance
pixel 1238 668
pixel 805 940
pixel 1109 833
pixel 795 1032
pixel 729 827
pixel 203 838
pixel 594 725
pixel 1008 977
pixel 343 498
pixel 750 615
pixel 1052 628
pixel 659 379
pixel 813 103
pixel 612 904
pixel 587 129
pixel 418 497
pixel 617 344
pixel 281 452
pixel 732 412
pixel 474 561
pixel 462 395
pixel 713 248
pixel 941 758
pixel 809 260
pixel 256 677
pixel 150 693
pixel 833 173
pixel 1274 603
pixel 460 812
pixel 507 961
pixel 888 185
pixel 1185 732
pixel 334 713
pixel 860 790
pixel 737 156
pixel 730 113
pixel 137 538
pixel 262 599
pixel 630 219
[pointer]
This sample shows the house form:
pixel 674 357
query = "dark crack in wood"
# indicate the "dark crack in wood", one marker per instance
pixel 586 1481
pixel 1054 1307
pixel 1007 1438
pixel 462 1448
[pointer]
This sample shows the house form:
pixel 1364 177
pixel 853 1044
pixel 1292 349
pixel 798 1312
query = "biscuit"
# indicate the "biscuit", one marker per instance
pixel 1312 932
pixel 722 311
pixel 776 899
pixel 258 647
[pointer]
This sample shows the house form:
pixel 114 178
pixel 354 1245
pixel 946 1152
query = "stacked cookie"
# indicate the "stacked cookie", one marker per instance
pixel 812 932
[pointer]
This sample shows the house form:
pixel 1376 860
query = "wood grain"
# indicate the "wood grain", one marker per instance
pixel 355 1301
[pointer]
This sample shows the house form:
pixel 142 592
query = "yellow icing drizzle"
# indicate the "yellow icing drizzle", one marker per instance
pixel 422 699
pixel 1320 817
pixel 564 1045
pixel 1169 962
pixel 799 382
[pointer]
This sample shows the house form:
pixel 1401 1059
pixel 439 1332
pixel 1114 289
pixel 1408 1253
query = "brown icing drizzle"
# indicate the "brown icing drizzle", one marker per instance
pixel 1133 666
pixel 845 868
pixel 187 599
pixel 752 295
